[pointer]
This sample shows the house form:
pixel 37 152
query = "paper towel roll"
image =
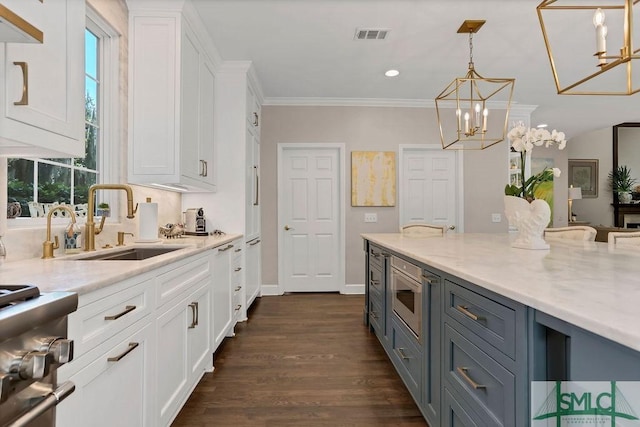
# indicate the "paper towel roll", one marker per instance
pixel 148 222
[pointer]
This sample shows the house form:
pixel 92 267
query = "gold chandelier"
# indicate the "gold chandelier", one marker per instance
pixel 581 63
pixel 472 127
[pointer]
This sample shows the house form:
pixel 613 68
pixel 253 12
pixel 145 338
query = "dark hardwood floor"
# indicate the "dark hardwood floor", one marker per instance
pixel 302 360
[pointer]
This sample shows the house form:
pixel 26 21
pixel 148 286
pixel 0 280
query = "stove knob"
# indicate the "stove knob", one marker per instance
pixel 5 386
pixel 32 365
pixel 61 349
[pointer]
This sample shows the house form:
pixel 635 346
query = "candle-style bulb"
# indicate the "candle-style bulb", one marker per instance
pixel 598 18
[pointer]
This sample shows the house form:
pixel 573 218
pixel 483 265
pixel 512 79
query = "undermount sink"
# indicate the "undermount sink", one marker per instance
pixel 131 254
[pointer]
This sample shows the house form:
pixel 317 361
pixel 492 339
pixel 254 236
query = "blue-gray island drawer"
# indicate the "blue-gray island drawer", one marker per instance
pixel 490 320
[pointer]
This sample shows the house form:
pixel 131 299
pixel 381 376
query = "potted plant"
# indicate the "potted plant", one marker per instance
pixel 103 209
pixel 621 182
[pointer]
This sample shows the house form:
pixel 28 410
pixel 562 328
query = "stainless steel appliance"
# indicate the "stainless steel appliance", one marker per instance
pixel 33 343
pixel 406 286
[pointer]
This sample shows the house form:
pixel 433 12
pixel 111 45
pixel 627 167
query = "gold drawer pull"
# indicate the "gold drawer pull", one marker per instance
pixel 467 378
pixel 25 83
pixel 465 310
pixel 127 309
pixel 402 354
pixel 132 346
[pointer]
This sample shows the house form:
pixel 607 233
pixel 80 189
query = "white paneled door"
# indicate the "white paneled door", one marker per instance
pixel 309 205
pixel 429 187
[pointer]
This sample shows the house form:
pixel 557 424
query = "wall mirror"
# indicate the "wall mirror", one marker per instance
pixel 626 152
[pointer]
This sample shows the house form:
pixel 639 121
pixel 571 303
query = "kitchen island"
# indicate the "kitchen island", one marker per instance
pixel 495 318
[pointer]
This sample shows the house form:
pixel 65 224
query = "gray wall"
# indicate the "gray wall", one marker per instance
pixel 595 145
pixel 379 128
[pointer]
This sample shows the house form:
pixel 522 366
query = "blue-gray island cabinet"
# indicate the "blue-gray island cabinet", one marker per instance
pixel 492 319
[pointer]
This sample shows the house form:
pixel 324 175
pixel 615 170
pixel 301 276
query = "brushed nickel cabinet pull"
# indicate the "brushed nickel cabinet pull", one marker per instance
pixel 465 310
pixel 237 269
pixel 25 83
pixel 132 346
pixel 254 243
pixel 225 249
pixel 238 307
pixel 375 282
pixel 238 289
pixel 430 279
pixel 206 168
pixel 238 250
pixel 127 309
pixel 374 314
pixel 375 254
pixel 255 119
pixel 467 378
pixel 256 198
pixel 194 315
pixel 402 354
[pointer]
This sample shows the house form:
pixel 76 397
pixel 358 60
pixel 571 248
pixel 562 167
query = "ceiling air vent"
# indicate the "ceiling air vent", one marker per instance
pixel 371 33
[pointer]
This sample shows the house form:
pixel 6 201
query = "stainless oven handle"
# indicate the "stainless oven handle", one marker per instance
pixel 51 400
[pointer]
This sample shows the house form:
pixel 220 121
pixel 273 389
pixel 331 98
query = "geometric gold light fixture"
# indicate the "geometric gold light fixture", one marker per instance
pixel 590 45
pixel 462 108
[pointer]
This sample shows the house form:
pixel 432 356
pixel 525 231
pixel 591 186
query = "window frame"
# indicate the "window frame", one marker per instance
pixel 109 118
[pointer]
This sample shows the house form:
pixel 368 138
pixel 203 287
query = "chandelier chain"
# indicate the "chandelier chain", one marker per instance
pixel 471 50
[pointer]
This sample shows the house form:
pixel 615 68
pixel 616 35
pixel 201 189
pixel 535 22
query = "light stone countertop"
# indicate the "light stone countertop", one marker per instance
pixel 589 284
pixel 63 273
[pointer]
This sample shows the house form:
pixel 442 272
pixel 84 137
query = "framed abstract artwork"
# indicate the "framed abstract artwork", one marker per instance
pixel 373 178
pixel 583 173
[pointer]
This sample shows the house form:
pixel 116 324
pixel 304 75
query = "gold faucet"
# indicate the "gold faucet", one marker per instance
pixel 90 226
pixel 48 246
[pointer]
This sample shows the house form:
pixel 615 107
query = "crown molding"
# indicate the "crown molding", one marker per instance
pixel 382 102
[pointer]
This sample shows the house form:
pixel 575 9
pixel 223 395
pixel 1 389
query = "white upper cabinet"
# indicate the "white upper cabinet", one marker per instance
pixel 172 76
pixel 42 85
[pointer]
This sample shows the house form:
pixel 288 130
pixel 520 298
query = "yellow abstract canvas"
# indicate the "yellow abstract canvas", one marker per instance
pixel 373 178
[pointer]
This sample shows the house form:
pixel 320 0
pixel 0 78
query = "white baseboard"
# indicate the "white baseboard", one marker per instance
pixel 353 289
pixel 270 290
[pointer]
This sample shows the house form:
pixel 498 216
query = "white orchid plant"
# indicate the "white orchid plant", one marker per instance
pixel 522 141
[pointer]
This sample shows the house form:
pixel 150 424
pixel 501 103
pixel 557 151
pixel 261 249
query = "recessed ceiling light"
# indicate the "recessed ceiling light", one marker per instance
pixel 542 125
pixel 392 73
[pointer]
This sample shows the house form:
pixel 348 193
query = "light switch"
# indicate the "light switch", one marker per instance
pixel 371 217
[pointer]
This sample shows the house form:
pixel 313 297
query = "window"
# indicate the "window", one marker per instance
pixel 37 184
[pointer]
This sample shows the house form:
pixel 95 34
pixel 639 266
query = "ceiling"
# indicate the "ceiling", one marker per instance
pixel 305 49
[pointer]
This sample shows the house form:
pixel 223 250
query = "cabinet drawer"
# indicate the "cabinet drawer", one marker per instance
pixel 407 357
pixel 479 379
pixel 182 277
pixel 455 415
pixel 375 279
pixel 490 320
pixel 96 322
pixel 376 315
pixel 376 256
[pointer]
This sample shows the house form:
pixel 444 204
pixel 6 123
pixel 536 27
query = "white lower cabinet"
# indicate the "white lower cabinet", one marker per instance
pixel 183 337
pixel 116 389
pixel 222 310
pixel 252 271
pixel 143 344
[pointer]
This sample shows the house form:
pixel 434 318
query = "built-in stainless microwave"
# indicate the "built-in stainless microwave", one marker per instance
pixel 406 287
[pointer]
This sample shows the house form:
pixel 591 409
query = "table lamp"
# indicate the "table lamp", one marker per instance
pixel 575 193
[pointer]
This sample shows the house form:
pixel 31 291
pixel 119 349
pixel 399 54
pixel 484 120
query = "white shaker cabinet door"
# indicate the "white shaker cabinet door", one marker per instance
pixel 42 85
pixel 116 388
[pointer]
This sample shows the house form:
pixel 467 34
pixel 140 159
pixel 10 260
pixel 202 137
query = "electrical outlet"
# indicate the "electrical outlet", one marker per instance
pixel 371 217
pixel 496 217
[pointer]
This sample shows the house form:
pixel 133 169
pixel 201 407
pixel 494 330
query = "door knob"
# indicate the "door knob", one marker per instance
pixel 287 228
pixel 452 227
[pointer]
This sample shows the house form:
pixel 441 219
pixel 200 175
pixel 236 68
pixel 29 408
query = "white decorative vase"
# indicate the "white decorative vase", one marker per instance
pixel 624 198
pixel 530 219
